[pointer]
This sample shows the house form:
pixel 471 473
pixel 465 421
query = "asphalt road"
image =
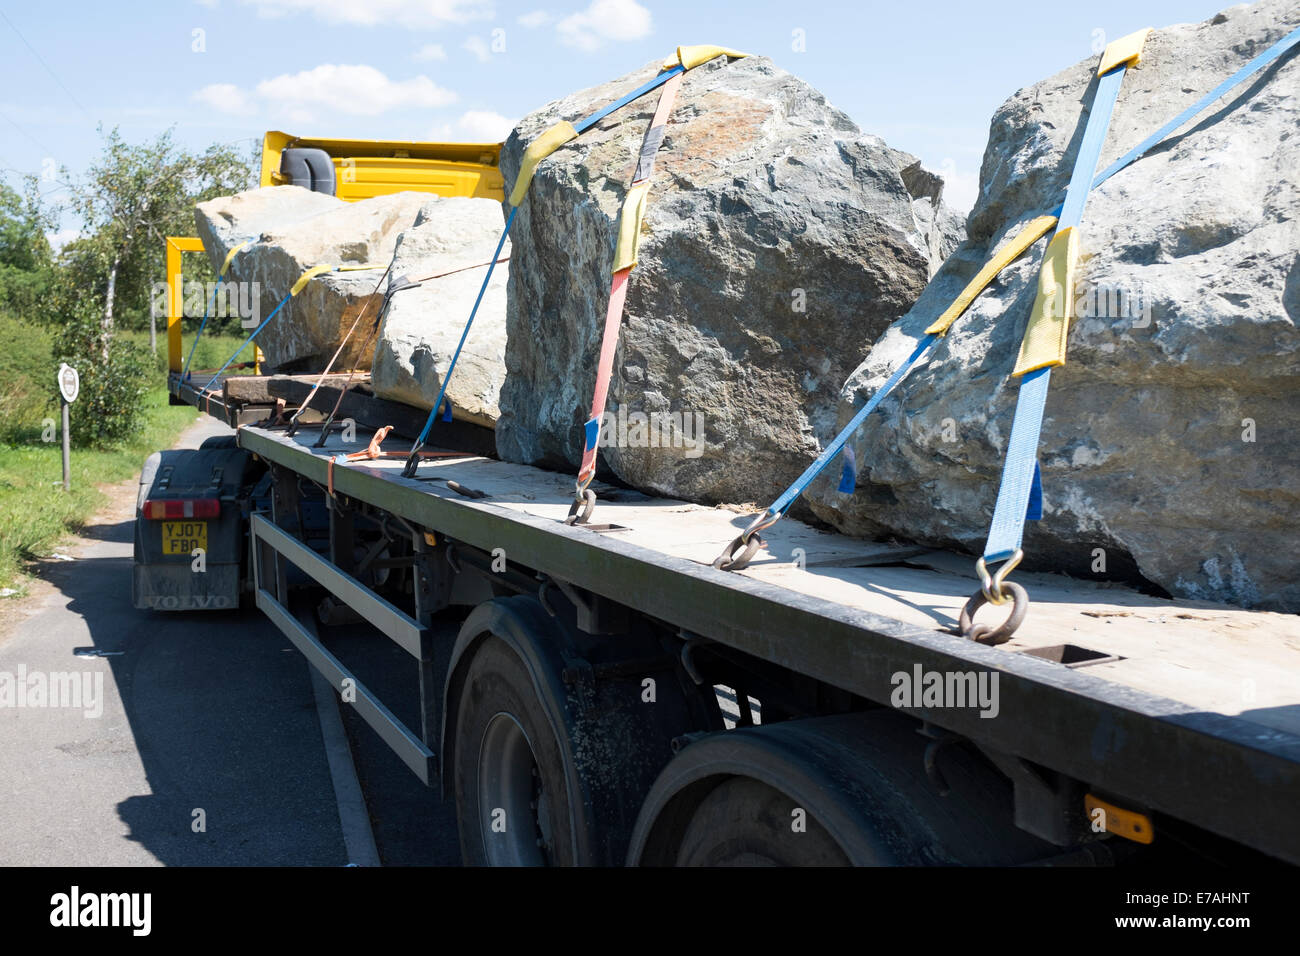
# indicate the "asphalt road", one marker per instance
pixel 204 746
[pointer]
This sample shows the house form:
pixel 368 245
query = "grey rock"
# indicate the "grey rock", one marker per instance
pixel 294 229
pixel 422 326
pixel 765 198
pixel 1142 448
pixel 226 221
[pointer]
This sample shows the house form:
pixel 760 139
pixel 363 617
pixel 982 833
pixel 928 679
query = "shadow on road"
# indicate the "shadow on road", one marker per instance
pixel 220 711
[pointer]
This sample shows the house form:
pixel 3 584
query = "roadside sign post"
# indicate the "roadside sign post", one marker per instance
pixel 69 387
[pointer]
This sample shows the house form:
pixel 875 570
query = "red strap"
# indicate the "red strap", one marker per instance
pixel 605 366
pixel 618 289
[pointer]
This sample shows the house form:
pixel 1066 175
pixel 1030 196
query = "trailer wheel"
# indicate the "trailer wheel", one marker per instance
pixel 850 789
pixel 511 795
pixel 550 727
pixel 743 822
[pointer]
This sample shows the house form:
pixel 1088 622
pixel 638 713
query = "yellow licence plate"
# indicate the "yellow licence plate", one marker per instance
pixel 182 537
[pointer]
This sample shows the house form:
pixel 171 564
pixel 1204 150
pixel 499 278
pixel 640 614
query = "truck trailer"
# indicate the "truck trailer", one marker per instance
pixel 612 697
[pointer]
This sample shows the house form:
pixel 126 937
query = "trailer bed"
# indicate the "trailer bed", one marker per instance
pixel 1194 706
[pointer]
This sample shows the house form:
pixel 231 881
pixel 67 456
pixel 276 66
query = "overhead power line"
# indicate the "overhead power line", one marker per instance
pixel 6 118
pixel 48 69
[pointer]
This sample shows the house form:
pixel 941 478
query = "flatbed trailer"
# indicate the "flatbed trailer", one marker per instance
pixel 576 717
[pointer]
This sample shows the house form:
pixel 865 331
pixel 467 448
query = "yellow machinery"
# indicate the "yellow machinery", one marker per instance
pixel 362 168
pixel 371 167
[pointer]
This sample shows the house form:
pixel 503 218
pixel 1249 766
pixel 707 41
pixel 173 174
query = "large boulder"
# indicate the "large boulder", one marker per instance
pixel 1170 433
pixel 422 326
pixel 291 230
pixel 227 221
pixel 779 241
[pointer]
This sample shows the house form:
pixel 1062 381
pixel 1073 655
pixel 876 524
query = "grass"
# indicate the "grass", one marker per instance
pixel 212 351
pixel 35 512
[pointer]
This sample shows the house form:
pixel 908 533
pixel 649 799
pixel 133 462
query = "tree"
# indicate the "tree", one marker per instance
pixel 26 264
pixel 133 197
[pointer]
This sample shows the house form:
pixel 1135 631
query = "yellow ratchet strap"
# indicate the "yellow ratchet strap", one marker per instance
pixel 690 57
pixel 1124 50
pixel 1049 322
pixel 537 150
pixel 629 227
pixel 1033 230
pixel 306 277
pixel 230 257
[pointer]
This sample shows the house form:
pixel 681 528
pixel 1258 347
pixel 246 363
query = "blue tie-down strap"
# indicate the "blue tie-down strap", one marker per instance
pixel 848 471
pixel 1254 66
pixel 591 430
pixel 659 80
pixel 446 411
pixel 451 367
pixel 1016 491
pixel 840 442
pixel 1034 512
pixel 185 372
pixel 1020 472
pixel 265 322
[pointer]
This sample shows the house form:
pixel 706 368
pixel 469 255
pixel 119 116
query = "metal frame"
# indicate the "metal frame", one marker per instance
pixel 1223 773
pixel 398 626
pixel 176 295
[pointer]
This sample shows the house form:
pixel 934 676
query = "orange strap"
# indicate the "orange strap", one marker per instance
pixel 373 451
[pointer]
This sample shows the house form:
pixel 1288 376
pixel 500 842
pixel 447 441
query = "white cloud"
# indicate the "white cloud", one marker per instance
pixel 479 47
pixel 354 89
pixel 961 191
pixel 62 237
pixel 224 98
pixel 960 187
pixel 485 126
pixel 605 20
pixel 417 14
pixel 431 51
pixel 479 126
pixel 538 18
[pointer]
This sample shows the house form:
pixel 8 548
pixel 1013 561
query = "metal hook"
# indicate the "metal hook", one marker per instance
pixel 982 633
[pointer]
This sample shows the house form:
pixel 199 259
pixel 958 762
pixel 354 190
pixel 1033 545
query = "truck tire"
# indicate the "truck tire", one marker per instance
pixel 220 441
pixel 528 698
pixel 743 822
pixel 512 797
pixel 860 784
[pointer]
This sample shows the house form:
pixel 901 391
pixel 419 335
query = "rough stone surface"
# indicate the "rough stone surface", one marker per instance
pixel 765 200
pixel 295 229
pixel 1147 450
pixel 229 220
pixel 422 326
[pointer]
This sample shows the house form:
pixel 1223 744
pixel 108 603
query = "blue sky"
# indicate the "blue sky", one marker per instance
pixel 925 76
